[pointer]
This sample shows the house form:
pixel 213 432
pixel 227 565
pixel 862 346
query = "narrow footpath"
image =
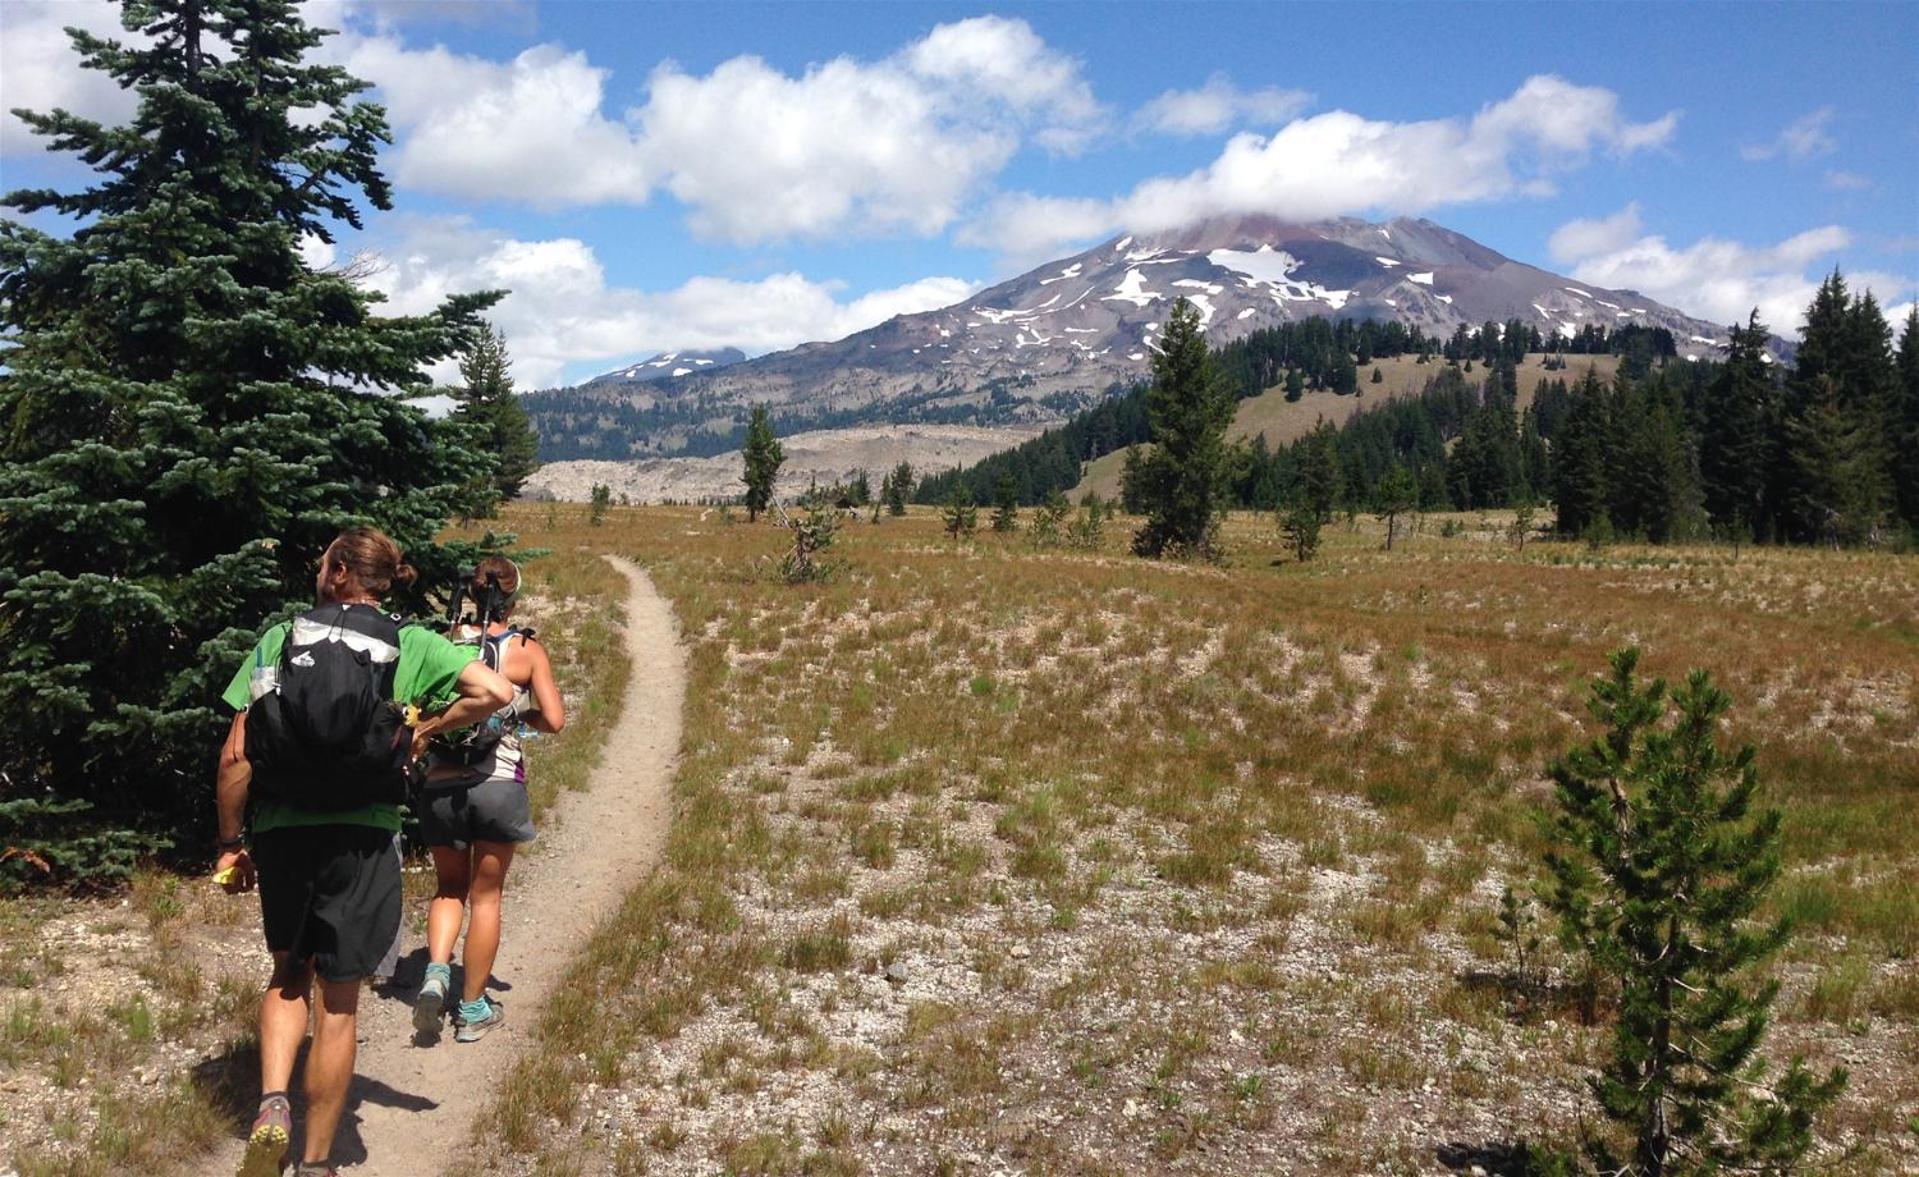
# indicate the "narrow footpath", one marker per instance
pixel 411 1107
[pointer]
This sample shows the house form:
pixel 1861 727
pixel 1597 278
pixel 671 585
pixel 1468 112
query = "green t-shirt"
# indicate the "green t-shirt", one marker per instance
pixel 426 673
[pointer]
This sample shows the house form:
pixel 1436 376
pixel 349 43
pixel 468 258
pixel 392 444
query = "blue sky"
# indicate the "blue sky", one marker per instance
pixel 661 175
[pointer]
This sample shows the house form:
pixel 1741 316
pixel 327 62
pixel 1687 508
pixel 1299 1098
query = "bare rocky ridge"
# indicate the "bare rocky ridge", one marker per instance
pixel 827 456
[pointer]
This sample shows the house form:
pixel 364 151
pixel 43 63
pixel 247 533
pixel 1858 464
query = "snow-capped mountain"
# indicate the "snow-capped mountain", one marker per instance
pixel 1036 347
pixel 668 365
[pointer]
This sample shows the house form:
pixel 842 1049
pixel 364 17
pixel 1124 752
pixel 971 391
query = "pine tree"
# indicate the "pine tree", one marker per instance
pixel 958 514
pixel 1581 457
pixel 1659 867
pixel 1396 495
pixel 1005 505
pixel 186 426
pixel 1736 435
pixel 859 492
pixel 763 455
pixel 1906 423
pixel 1838 487
pixel 1183 481
pixel 1088 529
pixel 487 403
pixel 1318 470
pixel 1840 412
pixel 899 489
pixel 1299 524
pixel 1295 384
pixel 1049 522
pixel 1132 496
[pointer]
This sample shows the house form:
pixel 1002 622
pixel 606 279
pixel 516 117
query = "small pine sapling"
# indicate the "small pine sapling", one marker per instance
pixel 1522 525
pixel 959 514
pixel 1006 506
pixel 1299 523
pixel 1049 522
pixel 1088 528
pixel 602 499
pixel 813 535
pixel 1660 864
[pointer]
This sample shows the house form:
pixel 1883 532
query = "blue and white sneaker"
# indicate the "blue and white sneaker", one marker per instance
pixel 471 1028
pixel 429 1007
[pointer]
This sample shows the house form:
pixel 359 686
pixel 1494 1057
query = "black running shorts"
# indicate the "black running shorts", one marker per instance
pixel 331 893
pixel 491 811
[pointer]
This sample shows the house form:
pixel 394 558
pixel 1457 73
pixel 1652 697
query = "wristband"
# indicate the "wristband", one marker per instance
pixel 231 843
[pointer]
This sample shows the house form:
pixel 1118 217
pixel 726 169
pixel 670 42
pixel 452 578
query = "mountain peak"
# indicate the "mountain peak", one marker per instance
pixel 1036 347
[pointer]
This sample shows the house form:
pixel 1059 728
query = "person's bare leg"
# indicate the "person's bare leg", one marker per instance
pixel 454 869
pixel 330 1064
pixel 490 862
pixel 283 1021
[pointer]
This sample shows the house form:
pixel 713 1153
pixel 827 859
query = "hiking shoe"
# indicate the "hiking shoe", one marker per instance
pixel 267 1141
pixel 429 1007
pixel 316 1169
pixel 473 1030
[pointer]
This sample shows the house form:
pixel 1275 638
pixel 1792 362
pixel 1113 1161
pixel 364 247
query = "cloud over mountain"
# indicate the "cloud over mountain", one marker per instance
pixel 1340 163
pixel 562 309
pixel 1719 280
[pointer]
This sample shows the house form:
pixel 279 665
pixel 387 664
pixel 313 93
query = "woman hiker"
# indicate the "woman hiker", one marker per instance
pixel 474 809
pixel 319 742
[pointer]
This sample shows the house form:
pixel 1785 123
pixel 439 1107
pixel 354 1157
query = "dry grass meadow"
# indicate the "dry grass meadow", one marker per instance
pixel 994 860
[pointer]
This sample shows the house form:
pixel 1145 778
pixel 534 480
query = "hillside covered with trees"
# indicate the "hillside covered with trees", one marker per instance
pixel 1824 450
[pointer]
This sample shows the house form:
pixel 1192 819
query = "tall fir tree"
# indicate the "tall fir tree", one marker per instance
pixel 192 411
pixel 1318 473
pixel 1005 505
pixel 1183 481
pixel 1659 868
pixel 1839 491
pixel 1737 425
pixel 900 489
pixel 1837 484
pixel 763 455
pixel 1906 423
pixel 487 402
pixel 1581 458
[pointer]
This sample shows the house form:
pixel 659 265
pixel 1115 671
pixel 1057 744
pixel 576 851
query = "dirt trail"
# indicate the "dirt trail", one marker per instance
pixel 411 1107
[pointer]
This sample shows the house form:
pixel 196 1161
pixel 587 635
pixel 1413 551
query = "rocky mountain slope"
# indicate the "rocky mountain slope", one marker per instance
pixel 1036 347
pixel 667 366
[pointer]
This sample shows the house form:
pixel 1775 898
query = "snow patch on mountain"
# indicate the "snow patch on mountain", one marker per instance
pixel 1132 288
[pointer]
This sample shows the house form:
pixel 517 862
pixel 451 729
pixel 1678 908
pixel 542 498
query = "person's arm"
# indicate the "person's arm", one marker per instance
pixel 230 784
pixel 482 692
pixel 551 714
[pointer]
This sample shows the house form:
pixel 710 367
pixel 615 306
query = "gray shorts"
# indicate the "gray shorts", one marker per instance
pixel 491 811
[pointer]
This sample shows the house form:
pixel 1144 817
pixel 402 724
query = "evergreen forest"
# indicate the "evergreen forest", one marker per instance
pixel 1820 450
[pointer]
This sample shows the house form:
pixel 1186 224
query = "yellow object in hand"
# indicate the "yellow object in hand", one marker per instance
pixel 227 876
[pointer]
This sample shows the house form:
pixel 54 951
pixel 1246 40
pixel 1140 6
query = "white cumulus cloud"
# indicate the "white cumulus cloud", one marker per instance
pixel 1723 281
pixel 1216 106
pixel 563 311
pixel 897 144
pixel 40 71
pixel 1800 140
pixel 1340 163
pixel 1586 238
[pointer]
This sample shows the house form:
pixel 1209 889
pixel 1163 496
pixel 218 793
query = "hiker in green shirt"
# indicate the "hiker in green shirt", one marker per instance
pixel 329 880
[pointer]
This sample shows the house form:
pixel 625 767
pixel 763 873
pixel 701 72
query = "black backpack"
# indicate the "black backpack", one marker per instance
pixel 471 746
pixel 328 734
